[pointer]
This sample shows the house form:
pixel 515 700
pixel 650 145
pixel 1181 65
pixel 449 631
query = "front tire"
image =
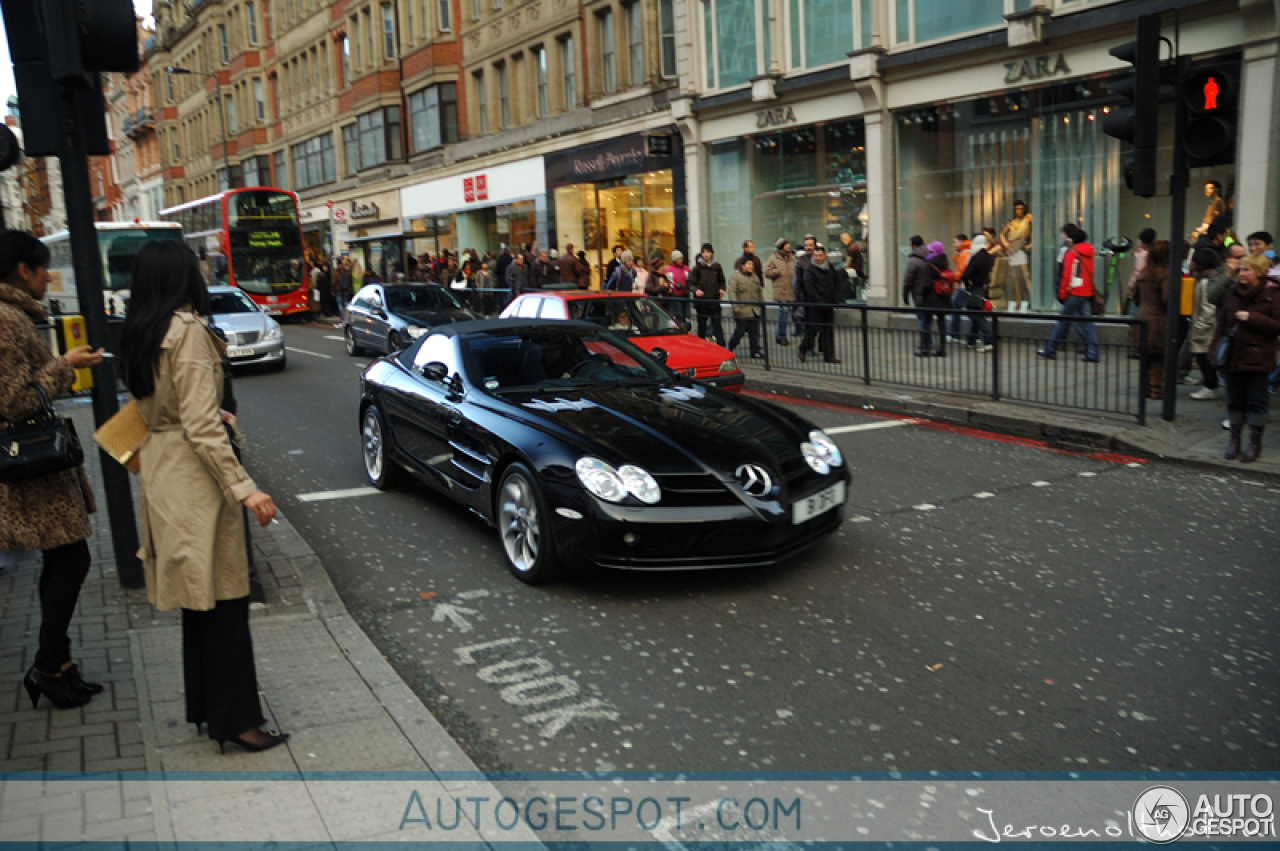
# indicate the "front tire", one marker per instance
pixel 524 527
pixel 349 337
pixel 383 472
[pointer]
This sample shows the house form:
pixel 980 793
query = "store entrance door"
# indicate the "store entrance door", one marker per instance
pixel 636 212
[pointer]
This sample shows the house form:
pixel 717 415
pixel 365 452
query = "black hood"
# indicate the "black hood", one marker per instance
pixel 667 430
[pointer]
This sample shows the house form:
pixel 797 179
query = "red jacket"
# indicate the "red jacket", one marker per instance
pixel 1080 255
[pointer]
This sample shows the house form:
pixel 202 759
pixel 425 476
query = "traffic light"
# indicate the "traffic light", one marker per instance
pixel 1136 122
pixel 61 44
pixel 1210 136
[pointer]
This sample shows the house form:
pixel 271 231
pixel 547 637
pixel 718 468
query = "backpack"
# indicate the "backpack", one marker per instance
pixel 945 284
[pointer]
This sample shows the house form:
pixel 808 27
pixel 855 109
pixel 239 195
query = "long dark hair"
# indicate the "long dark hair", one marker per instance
pixel 166 277
pixel 18 246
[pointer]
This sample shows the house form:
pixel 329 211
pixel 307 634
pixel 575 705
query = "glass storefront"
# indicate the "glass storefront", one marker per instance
pixel 961 167
pixel 432 234
pixel 627 191
pixel 810 179
pixel 636 212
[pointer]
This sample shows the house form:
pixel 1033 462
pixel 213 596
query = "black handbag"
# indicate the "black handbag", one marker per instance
pixel 42 444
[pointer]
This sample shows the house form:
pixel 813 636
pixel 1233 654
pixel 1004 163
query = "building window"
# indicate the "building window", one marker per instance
pixel 504 97
pixel 446 16
pixel 667 29
pixel 569 69
pixel 346 63
pixel 729 30
pixel 174 146
pixel 370 40
pixel 168 88
pixel 378 135
pixel 260 102
pixel 388 32
pixel 824 31
pixel 223 46
pixel 355 42
pixel 482 101
pixel 251 19
pixel 257 171
pixel 475 10
pixel 351 149
pixel 231 114
pixel 635 44
pixel 928 20
pixel 497 5
pixel 313 162
pixel 608 59
pixel 540 80
pixel 433 117
pixel 282 169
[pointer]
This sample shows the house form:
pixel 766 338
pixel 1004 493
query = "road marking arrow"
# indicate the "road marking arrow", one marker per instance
pixel 454 614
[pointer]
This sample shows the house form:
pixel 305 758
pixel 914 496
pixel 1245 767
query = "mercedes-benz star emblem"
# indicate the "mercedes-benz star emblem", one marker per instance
pixel 755 480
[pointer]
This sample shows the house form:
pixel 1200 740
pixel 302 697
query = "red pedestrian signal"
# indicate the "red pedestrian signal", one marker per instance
pixel 1211 89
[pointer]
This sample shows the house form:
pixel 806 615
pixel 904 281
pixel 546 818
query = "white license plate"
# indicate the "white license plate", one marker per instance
pixel 240 353
pixel 820 503
pixel 271 311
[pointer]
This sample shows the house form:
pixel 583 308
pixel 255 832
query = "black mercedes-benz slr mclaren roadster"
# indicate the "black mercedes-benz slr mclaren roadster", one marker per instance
pixel 583 449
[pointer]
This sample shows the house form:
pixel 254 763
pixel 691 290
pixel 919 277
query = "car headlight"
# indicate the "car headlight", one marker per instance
pixel 731 365
pixel 613 485
pixel 273 332
pixel 821 452
pixel 415 331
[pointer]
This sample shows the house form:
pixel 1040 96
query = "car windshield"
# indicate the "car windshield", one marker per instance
pixel 630 317
pixel 237 302
pixel 546 357
pixel 411 299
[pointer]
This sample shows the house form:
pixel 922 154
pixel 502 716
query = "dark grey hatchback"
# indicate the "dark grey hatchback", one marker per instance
pixel 388 317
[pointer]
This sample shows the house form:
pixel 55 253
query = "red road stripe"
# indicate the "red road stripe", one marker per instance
pixel 965 431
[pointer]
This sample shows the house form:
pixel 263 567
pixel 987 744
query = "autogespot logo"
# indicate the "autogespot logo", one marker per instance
pixel 1161 814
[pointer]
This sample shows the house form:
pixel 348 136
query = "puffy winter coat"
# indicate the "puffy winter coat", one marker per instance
pixel 917 281
pixel 745 288
pixel 781 269
pixel 1254 349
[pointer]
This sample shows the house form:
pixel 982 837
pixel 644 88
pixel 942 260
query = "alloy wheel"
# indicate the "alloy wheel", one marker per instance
pixel 518 520
pixel 373 445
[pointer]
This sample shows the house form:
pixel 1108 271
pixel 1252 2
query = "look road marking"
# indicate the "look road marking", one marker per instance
pixel 322 496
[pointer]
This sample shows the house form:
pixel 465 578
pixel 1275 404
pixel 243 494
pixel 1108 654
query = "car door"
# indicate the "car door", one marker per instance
pixel 421 409
pixel 357 311
pixel 378 325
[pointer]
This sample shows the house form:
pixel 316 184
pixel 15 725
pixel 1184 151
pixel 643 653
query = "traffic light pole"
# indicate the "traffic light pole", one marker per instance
pixel 87 264
pixel 1178 182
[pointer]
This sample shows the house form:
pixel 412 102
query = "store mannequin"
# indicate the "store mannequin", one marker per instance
pixel 1217 207
pixel 1016 238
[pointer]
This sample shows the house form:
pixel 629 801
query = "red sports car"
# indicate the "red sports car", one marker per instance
pixel 643 321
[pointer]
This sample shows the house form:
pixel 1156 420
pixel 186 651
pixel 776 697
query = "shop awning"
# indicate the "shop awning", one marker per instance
pixel 378 237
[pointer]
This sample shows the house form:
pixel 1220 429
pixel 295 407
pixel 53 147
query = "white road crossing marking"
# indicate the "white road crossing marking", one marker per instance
pixel 869 426
pixel 321 496
pixel 313 354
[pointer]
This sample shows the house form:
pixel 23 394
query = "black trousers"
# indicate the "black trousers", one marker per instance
pixel 750 328
pixel 1247 398
pixel 819 325
pixel 63 573
pixel 709 324
pixel 218 670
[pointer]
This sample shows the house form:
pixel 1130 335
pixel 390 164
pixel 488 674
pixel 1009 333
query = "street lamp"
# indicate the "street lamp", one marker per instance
pixel 222 119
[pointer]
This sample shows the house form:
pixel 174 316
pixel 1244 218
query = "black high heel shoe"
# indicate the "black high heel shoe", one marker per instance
pixel 73 676
pixel 59 690
pixel 271 740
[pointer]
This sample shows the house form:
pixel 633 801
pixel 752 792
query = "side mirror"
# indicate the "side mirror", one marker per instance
pixel 435 371
pixel 660 355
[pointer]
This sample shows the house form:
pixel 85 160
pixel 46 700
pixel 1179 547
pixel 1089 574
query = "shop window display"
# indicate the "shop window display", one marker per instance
pixel 962 167
pixel 636 212
pixel 804 180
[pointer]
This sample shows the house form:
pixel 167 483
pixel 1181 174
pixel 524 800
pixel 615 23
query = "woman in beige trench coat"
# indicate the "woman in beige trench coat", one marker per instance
pixel 193 547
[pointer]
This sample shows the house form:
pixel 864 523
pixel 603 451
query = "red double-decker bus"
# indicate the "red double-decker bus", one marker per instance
pixel 252 239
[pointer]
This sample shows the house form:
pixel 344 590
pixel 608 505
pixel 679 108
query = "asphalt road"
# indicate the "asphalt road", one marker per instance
pixel 988 605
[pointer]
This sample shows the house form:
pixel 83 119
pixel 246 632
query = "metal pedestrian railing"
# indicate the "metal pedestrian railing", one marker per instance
pixel 880 345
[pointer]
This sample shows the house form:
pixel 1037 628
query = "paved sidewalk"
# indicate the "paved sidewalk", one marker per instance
pixel 321 679
pixel 1196 436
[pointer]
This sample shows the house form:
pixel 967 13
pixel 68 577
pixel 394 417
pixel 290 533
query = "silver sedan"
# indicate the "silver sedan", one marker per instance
pixel 253 337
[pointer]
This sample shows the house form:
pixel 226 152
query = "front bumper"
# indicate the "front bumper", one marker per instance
pixel 686 538
pixel 262 352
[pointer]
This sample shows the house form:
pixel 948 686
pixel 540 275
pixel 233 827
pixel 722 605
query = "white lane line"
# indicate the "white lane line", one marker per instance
pixel 1039 484
pixel 924 506
pixel 334 337
pixel 321 496
pixel 869 426
pixel 313 354
pixel 983 495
